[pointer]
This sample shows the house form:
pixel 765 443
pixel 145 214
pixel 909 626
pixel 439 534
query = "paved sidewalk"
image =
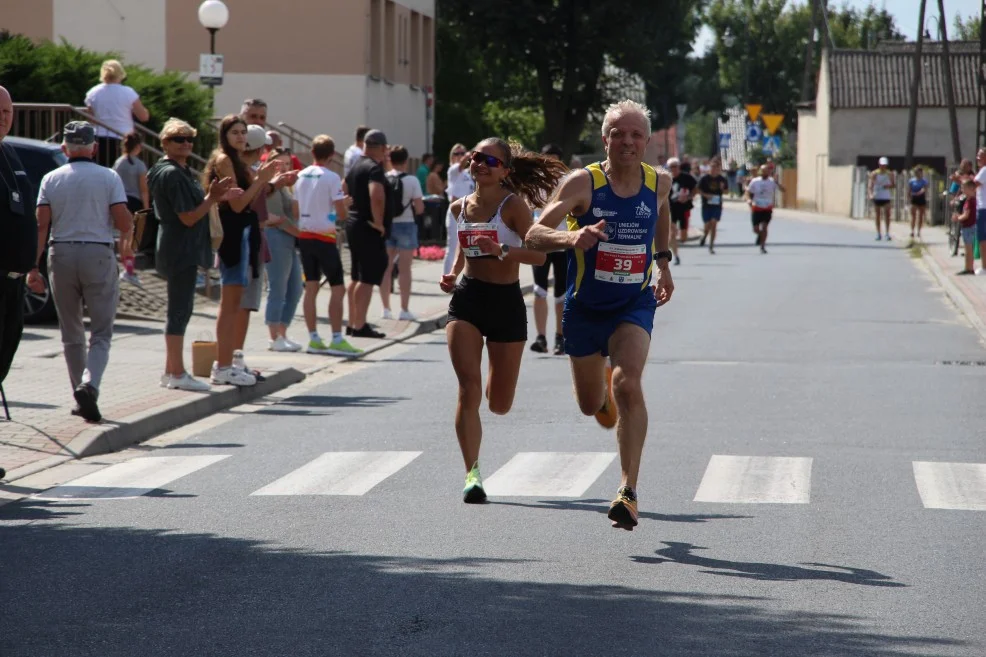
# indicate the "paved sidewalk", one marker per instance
pixel 43 433
pixel 968 293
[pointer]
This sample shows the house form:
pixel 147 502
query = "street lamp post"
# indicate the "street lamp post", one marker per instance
pixel 213 15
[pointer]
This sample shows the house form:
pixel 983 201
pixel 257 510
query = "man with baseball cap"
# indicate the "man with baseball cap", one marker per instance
pixel 366 229
pixel 83 202
pixel 881 191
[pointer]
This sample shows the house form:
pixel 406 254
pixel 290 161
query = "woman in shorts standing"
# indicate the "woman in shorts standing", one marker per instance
pixel 487 307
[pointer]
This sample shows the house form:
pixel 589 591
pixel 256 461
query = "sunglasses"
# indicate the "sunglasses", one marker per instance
pixel 458 153
pixel 490 161
pixel 182 139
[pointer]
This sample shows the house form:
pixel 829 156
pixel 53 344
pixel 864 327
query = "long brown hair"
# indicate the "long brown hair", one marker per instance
pixel 243 179
pixel 531 175
pixel 130 144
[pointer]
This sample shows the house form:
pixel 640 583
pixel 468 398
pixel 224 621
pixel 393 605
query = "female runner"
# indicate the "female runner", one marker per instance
pixel 488 303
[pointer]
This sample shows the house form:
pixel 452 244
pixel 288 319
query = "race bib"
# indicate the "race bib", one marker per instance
pixel 621 263
pixel 469 234
pixel 715 200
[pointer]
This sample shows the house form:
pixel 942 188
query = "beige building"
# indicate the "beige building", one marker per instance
pixel 861 112
pixel 321 65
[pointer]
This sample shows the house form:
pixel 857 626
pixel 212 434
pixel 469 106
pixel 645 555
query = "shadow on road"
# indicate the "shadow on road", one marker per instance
pixel 119 592
pixel 682 553
pixel 602 506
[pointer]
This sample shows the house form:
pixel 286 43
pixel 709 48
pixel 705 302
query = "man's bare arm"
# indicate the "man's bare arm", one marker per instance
pixel 573 196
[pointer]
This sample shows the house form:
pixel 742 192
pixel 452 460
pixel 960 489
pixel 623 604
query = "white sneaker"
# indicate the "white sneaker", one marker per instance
pixel 186 381
pixel 407 316
pixel 295 346
pixel 239 361
pixel 232 376
pixel 281 343
pixel 979 272
pixel 387 314
pixel 165 379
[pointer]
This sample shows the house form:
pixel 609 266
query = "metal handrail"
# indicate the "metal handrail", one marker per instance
pixel 295 139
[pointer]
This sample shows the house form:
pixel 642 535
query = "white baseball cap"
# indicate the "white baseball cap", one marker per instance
pixel 884 161
pixel 256 138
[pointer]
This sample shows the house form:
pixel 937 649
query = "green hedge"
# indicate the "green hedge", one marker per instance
pixel 62 73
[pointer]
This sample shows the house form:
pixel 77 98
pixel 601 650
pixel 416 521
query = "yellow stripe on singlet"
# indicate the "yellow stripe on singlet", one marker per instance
pixel 650 181
pixel 598 180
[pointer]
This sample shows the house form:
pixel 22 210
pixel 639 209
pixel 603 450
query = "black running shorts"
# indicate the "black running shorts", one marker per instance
pixel 558 260
pixel 369 252
pixel 320 258
pixel 496 309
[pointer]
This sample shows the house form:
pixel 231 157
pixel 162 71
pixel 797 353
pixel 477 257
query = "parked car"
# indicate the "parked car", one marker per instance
pixel 38 157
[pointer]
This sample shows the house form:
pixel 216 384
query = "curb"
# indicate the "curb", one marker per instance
pixel 112 437
pixel 954 293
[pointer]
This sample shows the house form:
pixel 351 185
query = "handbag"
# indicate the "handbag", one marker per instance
pixel 215 227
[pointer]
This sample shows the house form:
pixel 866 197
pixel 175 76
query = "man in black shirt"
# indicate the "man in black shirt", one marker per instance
pixel 682 186
pixel 365 231
pixel 18 239
pixel 712 186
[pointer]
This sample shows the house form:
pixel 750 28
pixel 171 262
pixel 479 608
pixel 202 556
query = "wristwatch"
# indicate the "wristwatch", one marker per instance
pixel 667 255
pixel 504 250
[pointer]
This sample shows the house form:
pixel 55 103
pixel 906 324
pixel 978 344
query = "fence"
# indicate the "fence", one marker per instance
pixel 939 212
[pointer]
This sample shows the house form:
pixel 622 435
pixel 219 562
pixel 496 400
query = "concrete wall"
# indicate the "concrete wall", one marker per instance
pixel 884 132
pixel 814 134
pixel 130 27
pixel 399 111
pixel 835 184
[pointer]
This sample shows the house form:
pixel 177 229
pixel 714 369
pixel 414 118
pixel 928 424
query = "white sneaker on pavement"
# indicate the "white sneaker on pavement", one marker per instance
pixel 281 343
pixel 231 376
pixel 387 314
pixel 295 346
pixel 407 316
pixel 186 381
pixel 165 379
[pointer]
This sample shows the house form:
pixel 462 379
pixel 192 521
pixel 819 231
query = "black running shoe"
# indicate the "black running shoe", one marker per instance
pixel 368 331
pixel 677 260
pixel 701 242
pixel 540 345
pixel 559 345
pixel 623 510
pixel 85 395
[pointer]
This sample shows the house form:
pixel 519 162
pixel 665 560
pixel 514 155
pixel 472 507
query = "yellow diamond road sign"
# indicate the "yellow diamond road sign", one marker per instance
pixel 772 122
pixel 753 111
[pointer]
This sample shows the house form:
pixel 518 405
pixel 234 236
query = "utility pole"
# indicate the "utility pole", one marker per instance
pixel 949 90
pixel 981 84
pixel 807 88
pixel 912 115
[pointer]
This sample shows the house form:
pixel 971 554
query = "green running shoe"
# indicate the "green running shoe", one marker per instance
pixel 341 347
pixel 473 493
pixel 317 347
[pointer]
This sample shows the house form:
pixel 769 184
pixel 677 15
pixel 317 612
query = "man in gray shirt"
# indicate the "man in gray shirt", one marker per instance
pixel 83 202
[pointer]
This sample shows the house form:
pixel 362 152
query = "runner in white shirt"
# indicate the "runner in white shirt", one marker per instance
pixel 760 197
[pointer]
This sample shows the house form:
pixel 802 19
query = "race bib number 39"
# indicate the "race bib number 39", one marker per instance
pixel 469 234
pixel 621 263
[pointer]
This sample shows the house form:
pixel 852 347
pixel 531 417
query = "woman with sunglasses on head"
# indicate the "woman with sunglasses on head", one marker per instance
pixel 239 252
pixel 460 184
pixel 488 304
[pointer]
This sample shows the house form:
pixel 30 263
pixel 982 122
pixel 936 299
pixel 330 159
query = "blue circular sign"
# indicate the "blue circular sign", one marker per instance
pixel 754 133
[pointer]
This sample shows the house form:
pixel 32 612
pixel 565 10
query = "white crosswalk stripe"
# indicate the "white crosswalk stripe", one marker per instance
pixel 960 486
pixel 131 478
pixel 340 473
pixel 756 480
pixel 548 474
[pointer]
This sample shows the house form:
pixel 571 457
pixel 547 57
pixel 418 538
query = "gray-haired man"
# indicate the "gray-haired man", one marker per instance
pixel 83 202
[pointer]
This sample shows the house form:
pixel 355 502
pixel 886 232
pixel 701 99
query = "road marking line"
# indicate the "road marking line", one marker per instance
pixel 756 480
pixel 959 486
pixel 340 473
pixel 131 478
pixel 548 474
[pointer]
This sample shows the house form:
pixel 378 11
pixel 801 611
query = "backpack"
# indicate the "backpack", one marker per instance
pixel 395 200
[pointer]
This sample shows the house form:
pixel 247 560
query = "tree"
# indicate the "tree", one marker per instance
pixel 561 49
pixel 967 29
pixel 862 29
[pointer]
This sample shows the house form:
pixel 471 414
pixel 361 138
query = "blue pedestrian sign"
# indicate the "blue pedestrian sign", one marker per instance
pixel 724 138
pixel 753 133
pixel 772 144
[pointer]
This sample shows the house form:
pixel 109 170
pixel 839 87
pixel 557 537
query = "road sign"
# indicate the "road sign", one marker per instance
pixel 772 144
pixel 211 70
pixel 681 109
pixel 772 122
pixel 724 138
pixel 753 133
pixel 753 111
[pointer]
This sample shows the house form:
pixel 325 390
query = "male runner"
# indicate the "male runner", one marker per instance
pixel 682 186
pixel 617 229
pixel 711 186
pixel 881 185
pixel 760 197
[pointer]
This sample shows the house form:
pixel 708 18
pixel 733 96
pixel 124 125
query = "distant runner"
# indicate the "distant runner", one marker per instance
pixel 712 186
pixel 881 184
pixel 760 195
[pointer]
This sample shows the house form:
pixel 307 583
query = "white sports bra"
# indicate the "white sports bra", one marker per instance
pixel 495 229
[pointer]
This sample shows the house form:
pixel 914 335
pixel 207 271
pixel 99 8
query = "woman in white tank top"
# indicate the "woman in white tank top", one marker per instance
pixel 488 305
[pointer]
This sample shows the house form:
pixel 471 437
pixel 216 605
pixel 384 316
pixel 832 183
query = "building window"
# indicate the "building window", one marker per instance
pixel 376 40
pixel 427 51
pixel 389 40
pixel 415 54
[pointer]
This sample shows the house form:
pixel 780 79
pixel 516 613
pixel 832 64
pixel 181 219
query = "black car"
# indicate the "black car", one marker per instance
pixel 38 157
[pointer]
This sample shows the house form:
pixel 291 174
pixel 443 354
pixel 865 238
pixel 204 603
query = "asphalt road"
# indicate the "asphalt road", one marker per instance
pixel 792 392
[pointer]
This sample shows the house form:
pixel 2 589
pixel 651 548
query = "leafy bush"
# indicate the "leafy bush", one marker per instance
pixel 62 73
